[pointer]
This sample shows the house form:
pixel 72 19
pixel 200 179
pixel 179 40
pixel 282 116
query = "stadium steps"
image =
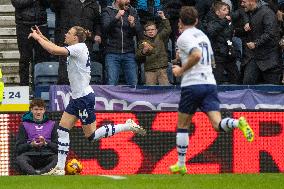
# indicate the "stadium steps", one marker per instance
pixel 7 31
pixel 7 9
pixel 10 71
pixel 9 54
pixel 6 21
pixel 5 2
pixel 8 44
pixel 11 79
pixel 10 68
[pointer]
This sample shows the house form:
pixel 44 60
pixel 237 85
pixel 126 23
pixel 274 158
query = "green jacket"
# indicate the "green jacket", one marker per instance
pixel 158 57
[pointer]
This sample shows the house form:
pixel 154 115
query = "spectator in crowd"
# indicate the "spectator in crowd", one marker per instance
pixel 29 13
pixel 36 144
pixel 120 24
pixel 147 10
pixel 75 13
pixel 280 16
pixel 143 4
pixel 261 53
pixel 105 3
pixel 220 33
pixel 280 10
pixel 273 4
pixel 229 3
pixel 172 10
pixel 153 49
pixel 203 7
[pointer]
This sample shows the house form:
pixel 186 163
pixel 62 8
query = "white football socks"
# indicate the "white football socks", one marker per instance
pixel 182 145
pixel 109 130
pixel 228 124
pixel 63 146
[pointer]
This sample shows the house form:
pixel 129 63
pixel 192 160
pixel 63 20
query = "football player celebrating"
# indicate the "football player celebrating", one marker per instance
pixel 82 104
pixel 198 86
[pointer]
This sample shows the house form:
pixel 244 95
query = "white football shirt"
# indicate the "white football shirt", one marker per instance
pixel 201 73
pixel 79 70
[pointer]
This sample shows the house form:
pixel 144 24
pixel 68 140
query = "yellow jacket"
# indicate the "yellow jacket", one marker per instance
pixel 1 86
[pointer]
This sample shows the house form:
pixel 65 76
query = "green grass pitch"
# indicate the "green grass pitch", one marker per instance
pixel 215 181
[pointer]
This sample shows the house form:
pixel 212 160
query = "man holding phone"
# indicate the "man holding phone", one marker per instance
pixel 36 144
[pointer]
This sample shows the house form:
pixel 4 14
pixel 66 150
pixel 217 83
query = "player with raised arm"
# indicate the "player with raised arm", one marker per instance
pixel 82 104
pixel 198 86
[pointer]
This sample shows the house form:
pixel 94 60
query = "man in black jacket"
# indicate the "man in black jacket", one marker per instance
pixel 29 13
pixel 220 32
pixel 36 144
pixel 120 24
pixel 261 53
pixel 69 13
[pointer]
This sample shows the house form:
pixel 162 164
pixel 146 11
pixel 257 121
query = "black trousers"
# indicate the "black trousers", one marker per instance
pixel 30 51
pixel 252 75
pixel 231 69
pixel 62 71
pixel 36 164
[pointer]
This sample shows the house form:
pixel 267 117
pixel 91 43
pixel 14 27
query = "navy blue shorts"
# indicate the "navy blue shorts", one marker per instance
pixel 83 108
pixel 204 97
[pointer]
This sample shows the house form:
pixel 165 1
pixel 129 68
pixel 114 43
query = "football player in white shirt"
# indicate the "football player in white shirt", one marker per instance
pixel 198 86
pixel 82 104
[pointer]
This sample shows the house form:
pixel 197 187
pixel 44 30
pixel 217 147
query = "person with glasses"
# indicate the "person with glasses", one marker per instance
pixel 153 52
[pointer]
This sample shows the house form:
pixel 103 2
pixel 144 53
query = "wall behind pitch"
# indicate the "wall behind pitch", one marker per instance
pixel 126 153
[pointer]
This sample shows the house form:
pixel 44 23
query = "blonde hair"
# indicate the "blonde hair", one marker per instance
pixel 81 33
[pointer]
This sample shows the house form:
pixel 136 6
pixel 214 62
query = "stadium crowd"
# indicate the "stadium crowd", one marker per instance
pixel 136 39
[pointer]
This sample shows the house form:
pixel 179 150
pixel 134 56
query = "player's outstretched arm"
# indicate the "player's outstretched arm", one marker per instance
pixel 48 45
pixel 39 32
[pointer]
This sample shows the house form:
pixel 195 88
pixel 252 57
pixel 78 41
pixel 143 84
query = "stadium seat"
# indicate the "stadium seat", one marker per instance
pixel 96 73
pixel 46 73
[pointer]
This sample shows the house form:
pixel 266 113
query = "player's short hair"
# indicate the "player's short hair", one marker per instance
pixel 149 23
pixel 217 5
pixel 188 15
pixel 37 102
pixel 81 33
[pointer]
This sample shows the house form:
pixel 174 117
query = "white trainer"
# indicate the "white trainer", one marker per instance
pixel 55 171
pixel 135 128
